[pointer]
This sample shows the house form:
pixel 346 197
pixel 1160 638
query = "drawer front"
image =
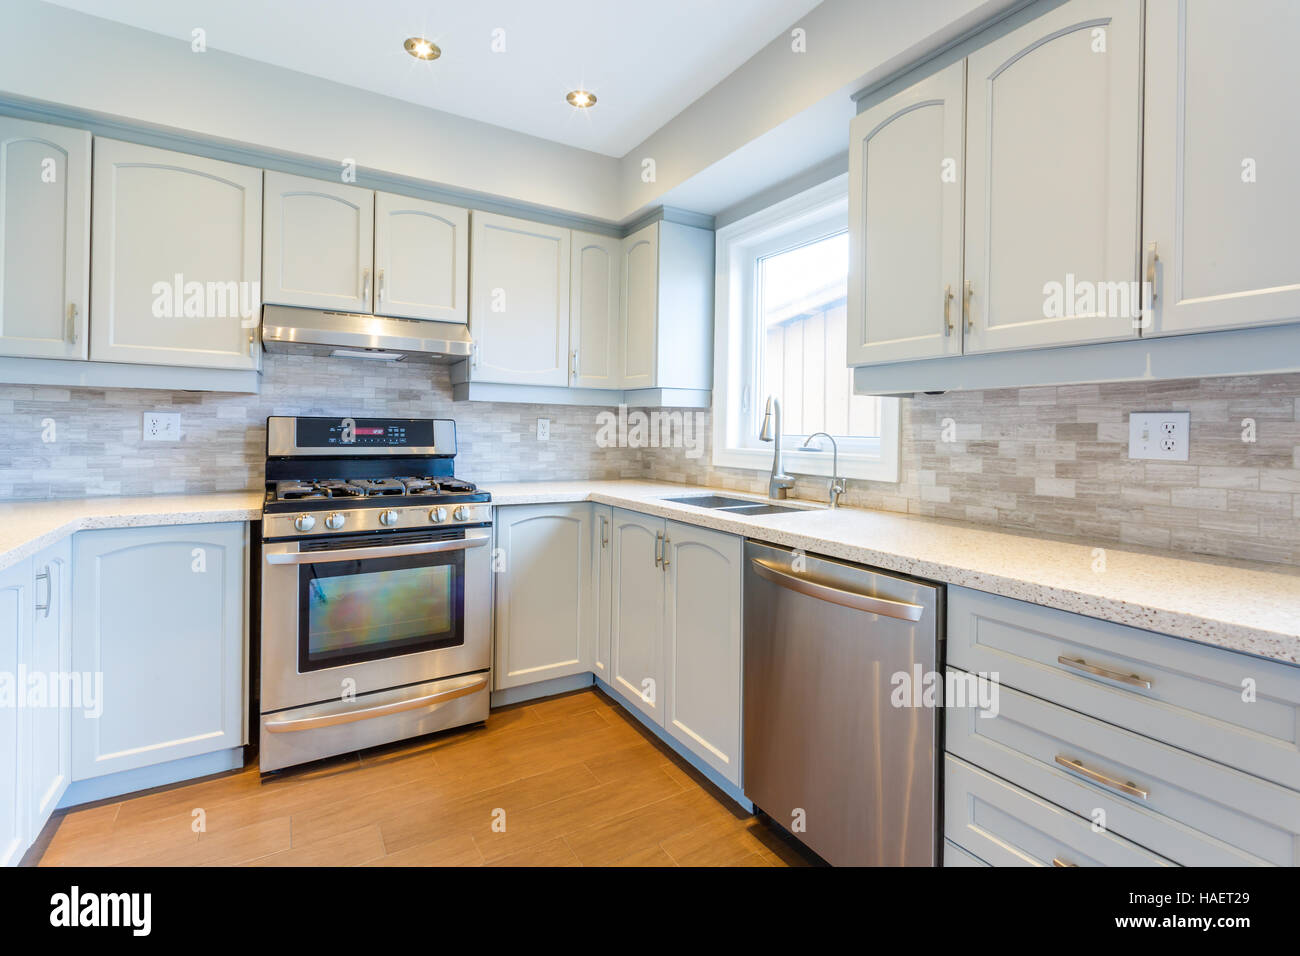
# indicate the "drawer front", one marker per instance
pixel 1006 826
pixel 1196 698
pixel 953 855
pixel 1195 812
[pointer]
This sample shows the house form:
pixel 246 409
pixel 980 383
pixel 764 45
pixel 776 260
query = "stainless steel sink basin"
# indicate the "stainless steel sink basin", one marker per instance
pixel 761 510
pixel 735 506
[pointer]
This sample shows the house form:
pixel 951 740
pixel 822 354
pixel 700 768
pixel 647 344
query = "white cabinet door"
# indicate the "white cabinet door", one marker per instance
pixel 544 602
pixel 594 304
pixel 640 307
pixel 703 640
pixel 1221 198
pixel 905 236
pixel 160 612
pixel 519 301
pixel 637 612
pixel 319 244
pixel 44 239
pixel 177 251
pixel 602 564
pixel 421 259
pixel 49 655
pixel 15 622
pixel 1052 169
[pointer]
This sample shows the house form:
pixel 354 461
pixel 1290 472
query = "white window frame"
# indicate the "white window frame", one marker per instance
pixel 815 213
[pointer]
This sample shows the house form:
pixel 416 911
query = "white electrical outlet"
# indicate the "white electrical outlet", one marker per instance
pixel 161 426
pixel 1162 436
pixel 543 429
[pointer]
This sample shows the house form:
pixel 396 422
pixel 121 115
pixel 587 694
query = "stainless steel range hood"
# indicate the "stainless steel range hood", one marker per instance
pixel 377 337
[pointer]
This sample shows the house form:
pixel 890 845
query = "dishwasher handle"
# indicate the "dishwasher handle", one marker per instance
pixel 902 610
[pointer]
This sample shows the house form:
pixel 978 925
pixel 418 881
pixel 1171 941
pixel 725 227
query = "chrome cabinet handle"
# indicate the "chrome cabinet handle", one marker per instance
pixel 1152 259
pixel 49 590
pixel 947 310
pixel 604 532
pixel 379 288
pixel 365 285
pixel 474 354
pixel 573 361
pixel 362 554
pixel 333 716
pixel 902 610
pixel 1110 783
pixel 664 561
pixel 1057 861
pixel 1079 664
pixel 659 548
pixel 71 334
pixel 967 295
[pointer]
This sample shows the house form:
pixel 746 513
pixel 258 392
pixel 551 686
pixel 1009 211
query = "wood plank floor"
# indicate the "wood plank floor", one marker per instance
pixel 574 779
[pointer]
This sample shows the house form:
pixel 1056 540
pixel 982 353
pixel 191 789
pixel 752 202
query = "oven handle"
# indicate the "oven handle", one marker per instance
pixel 353 714
pixel 382 551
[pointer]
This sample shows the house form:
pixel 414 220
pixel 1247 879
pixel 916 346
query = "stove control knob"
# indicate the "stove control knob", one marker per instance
pixel 461 513
pixel 304 522
pixel 335 521
pixel 388 517
pixel 438 515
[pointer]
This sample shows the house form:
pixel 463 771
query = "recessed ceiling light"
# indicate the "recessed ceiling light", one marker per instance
pixel 422 49
pixel 581 99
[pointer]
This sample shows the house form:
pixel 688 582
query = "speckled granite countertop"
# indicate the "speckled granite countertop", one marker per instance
pixel 28 526
pixel 1243 606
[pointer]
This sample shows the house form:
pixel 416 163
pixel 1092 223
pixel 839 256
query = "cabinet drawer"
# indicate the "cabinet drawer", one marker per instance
pixel 1195 812
pixel 1195 695
pixel 953 855
pixel 1006 826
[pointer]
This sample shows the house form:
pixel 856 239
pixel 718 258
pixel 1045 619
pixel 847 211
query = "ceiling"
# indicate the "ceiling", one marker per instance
pixel 645 62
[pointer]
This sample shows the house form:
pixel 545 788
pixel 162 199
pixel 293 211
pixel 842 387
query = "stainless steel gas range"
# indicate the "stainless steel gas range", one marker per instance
pixel 375 587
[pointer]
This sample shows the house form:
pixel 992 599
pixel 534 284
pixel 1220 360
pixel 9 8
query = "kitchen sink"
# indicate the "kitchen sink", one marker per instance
pixel 735 506
pixel 761 510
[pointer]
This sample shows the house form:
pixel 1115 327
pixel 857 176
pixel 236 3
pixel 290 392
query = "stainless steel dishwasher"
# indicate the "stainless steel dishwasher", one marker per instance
pixel 825 749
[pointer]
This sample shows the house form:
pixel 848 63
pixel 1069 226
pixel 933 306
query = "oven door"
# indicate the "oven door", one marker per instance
pixel 357 614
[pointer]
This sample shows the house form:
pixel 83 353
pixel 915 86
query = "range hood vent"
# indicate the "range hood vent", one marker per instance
pixel 317 332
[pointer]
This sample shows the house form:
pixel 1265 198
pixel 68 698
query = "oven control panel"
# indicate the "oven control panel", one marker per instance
pixel 406 517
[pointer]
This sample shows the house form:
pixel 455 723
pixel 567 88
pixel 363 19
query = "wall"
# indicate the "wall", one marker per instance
pixel 97 447
pixel 1055 461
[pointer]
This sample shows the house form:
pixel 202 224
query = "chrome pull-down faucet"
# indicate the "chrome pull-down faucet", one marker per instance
pixel 837 483
pixel 779 485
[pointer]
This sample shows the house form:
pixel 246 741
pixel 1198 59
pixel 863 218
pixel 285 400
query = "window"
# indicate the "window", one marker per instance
pixel 781 331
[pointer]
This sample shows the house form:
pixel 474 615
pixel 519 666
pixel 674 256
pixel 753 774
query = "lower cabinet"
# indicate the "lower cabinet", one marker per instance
pixel 636 630
pixel 545 602
pixel 15 621
pixel 602 564
pixel 160 615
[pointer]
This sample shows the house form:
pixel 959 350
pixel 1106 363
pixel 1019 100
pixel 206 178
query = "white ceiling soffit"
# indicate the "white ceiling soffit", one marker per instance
pixel 505 62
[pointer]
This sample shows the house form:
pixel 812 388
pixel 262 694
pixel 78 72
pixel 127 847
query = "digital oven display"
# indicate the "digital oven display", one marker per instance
pixel 364 432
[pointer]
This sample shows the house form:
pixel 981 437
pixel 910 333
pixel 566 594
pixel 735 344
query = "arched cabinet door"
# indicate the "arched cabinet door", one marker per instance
pixel 905 209
pixel 594 297
pixel 640 347
pixel 637 612
pixel 1053 163
pixel 421 259
pixel 177 248
pixel 319 244
pixel 44 239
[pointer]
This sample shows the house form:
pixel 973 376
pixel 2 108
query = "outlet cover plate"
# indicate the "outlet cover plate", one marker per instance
pixel 543 429
pixel 161 426
pixel 1160 436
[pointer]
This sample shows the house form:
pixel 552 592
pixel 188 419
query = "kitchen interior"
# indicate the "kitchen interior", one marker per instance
pixel 472 437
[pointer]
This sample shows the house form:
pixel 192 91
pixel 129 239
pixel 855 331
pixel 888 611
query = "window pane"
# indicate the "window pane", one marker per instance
pixel 802 314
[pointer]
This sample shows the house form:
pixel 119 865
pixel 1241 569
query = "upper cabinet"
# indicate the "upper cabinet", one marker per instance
pixel 519 301
pixel 44 239
pixel 905 207
pixel 640 307
pixel 1053 137
pixel 421 259
pixel 319 240
pixel 177 252
pixel 595 292
pixel 1220 196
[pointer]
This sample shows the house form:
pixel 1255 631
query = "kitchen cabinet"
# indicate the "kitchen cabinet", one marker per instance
pixel 1053 140
pixel 637 612
pixel 545 601
pixel 1220 197
pixel 44 239
pixel 15 621
pixel 602 564
pixel 421 259
pixel 319 244
pixel 48 736
pixel 595 294
pixel 161 613
pixel 519 301
pixel 667 307
pixel 905 223
pixel 176 246
pixel 702 642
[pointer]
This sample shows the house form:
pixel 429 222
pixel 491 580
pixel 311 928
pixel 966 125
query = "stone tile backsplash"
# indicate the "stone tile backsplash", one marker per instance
pixel 1042 460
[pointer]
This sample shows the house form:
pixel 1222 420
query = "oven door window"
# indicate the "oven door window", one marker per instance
pixel 365 610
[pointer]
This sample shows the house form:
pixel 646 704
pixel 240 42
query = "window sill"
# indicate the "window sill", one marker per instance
pixel 808 463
